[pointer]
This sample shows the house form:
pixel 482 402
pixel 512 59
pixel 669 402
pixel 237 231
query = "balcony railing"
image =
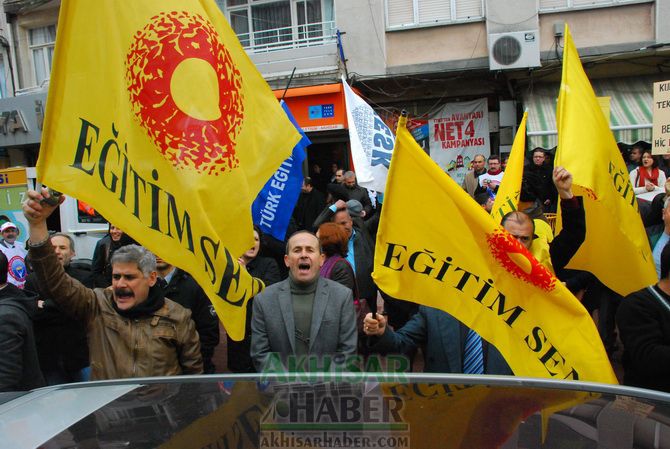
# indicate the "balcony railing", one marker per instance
pixel 297 36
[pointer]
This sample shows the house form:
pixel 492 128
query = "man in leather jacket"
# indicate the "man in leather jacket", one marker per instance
pixel 133 330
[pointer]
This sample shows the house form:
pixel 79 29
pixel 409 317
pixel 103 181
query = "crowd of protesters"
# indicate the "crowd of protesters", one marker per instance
pixel 69 325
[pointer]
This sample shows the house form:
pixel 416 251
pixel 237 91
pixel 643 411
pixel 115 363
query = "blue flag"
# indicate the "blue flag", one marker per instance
pixel 273 207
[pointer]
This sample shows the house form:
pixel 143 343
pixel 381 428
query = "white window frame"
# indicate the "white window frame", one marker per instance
pixel 417 24
pixel 606 4
pixel 43 51
pixel 327 30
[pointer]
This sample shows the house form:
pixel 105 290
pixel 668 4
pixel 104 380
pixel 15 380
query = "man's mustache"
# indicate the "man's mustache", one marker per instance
pixel 123 292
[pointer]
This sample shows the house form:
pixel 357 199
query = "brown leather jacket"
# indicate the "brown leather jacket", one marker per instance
pixel 470 182
pixel 164 344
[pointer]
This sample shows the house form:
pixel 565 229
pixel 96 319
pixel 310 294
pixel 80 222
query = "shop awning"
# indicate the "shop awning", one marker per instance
pixel 317 108
pixel 630 110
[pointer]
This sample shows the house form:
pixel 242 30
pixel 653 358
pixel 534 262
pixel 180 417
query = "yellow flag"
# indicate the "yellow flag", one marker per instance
pixel 456 258
pixel 616 249
pixel 605 104
pixel 158 119
pixel 507 199
pixel 234 424
pixel 475 416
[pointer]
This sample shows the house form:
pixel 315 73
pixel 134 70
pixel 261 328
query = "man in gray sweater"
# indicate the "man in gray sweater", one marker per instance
pixel 304 315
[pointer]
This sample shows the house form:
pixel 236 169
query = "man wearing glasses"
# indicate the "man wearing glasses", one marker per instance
pixel 561 249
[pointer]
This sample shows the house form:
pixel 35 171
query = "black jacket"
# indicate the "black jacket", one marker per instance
pixel 239 357
pixel 308 207
pixel 19 366
pixel 342 192
pixel 644 327
pixel 538 184
pixel 61 340
pixel 185 291
pixel 101 266
pixel 364 253
pixel 344 274
pixel 264 268
pixel 567 242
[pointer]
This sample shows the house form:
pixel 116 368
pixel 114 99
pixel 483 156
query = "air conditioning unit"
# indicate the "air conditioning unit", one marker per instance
pixel 514 50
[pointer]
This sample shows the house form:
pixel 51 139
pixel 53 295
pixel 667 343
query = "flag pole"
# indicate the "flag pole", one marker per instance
pixel 290 78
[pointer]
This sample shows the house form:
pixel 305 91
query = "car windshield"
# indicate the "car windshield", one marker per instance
pixel 416 411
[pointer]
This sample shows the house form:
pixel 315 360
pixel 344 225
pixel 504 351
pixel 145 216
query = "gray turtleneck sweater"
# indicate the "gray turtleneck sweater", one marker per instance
pixel 302 298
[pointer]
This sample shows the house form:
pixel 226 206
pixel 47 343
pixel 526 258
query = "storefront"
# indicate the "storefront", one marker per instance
pixel 321 112
pixel 21 122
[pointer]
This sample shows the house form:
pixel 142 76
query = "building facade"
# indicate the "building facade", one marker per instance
pixel 416 55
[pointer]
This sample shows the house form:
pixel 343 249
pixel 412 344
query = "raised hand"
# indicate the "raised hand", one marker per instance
pixel 563 182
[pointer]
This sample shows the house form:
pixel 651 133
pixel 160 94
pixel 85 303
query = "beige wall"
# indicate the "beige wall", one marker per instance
pixel 595 27
pixel 436 44
pixel 363 25
pixel 604 26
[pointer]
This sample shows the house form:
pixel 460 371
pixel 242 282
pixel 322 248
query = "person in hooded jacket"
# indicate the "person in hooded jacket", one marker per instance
pixel 101 267
pixel 19 365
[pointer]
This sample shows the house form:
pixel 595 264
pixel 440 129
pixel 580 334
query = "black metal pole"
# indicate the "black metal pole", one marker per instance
pixel 288 84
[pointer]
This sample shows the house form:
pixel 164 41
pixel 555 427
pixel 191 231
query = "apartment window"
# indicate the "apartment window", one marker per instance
pixel 264 24
pixel 409 13
pixel 553 5
pixel 42 41
pixel 309 18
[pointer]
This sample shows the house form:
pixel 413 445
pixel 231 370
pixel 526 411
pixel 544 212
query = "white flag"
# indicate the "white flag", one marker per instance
pixel 371 142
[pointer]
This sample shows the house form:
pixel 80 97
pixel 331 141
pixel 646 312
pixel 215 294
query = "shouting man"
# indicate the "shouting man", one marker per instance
pixel 304 314
pixel 133 330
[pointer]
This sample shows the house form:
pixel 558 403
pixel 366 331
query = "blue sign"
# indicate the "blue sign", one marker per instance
pixel 315 112
pixel 273 207
pixel 321 111
pixel 420 132
pixel 328 110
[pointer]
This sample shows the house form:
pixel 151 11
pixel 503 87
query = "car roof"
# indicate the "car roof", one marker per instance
pixel 412 410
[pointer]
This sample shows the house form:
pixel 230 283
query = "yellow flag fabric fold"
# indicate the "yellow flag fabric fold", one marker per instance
pixel 158 119
pixel 462 409
pixel 437 247
pixel 221 428
pixel 616 249
pixel 507 199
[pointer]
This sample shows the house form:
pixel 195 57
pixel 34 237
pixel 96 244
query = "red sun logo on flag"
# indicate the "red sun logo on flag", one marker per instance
pixel 518 261
pixel 172 62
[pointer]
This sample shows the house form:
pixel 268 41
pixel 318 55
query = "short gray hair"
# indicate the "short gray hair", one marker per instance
pixel 145 260
pixel 349 174
pixel 304 231
pixel 67 236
